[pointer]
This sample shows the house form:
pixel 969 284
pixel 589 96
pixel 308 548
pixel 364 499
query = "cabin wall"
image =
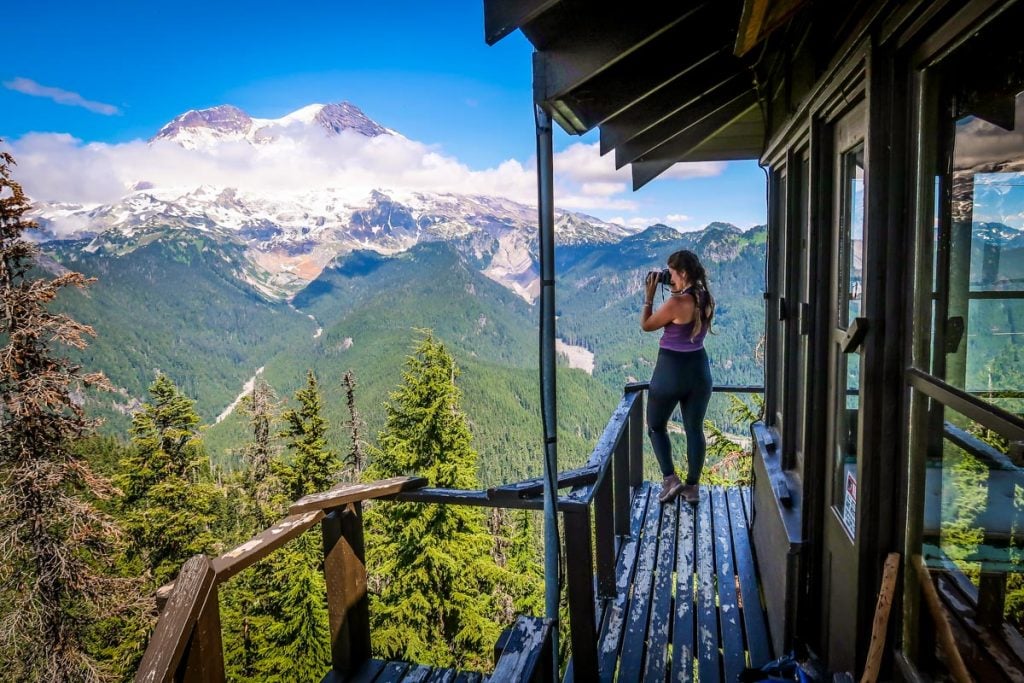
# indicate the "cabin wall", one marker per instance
pixel 891 59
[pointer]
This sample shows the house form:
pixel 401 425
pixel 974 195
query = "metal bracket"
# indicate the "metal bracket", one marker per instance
pixel 954 333
pixel 855 335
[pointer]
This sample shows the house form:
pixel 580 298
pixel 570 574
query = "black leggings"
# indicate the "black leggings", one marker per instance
pixel 684 378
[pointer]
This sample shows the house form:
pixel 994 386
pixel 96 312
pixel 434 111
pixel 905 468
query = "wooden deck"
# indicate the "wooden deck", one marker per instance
pixel 688 601
pixel 378 671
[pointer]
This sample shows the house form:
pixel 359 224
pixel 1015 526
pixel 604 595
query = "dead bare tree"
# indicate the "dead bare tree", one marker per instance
pixel 56 579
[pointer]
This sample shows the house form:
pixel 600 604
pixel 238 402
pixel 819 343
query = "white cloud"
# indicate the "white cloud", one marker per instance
pixel 29 87
pixel 583 163
pixel 673 220
pixel 59 167
pixel 599 189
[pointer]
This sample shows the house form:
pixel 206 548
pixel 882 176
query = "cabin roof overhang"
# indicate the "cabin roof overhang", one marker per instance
pixel 663 82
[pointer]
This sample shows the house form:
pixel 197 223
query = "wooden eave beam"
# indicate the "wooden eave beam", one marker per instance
pixel 502 17
pixel 686 123
pixel 680 92
pixel 761 18
pixel 658 160
pixel 674 53
pixel 590 42
pixel 751 22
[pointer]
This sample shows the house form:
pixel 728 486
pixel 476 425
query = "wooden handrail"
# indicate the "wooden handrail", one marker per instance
pixel 718 389
pixel 258 547
pixel 535 487
pixel 351 493
pixel 166 647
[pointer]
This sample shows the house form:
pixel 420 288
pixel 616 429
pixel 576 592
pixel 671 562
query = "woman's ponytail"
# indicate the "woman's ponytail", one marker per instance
pixel 687 261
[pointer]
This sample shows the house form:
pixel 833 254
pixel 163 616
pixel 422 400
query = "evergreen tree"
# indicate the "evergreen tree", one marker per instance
pixel 168 501
pixel 247 601
pixel 355 460
pixel 433 567
pixel 520 586
pixel 313 467
pixel 56 576
pixel 260 484
pixel 294 639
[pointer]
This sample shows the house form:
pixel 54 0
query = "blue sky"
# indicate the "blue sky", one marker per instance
pixel 422 69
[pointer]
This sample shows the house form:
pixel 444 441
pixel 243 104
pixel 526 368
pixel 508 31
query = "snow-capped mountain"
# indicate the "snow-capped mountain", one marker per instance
pixel 196 129
pixel 288 236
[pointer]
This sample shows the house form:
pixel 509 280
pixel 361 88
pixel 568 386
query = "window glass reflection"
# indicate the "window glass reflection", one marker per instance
pixel 852 255
pixel 979 329
pixel 974 518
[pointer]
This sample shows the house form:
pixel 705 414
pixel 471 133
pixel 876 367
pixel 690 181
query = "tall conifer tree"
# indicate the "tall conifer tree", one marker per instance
pixel 260 481
pixel 298 634
pixel 247 600
pixel 432 563
pixel 55 577
pixel 168 499
pixel 313 467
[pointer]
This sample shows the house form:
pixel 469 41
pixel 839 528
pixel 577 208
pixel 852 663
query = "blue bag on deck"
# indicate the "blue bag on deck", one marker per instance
pixel 785 668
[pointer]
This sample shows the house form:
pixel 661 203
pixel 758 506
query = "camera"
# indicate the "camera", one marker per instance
pixel 662 277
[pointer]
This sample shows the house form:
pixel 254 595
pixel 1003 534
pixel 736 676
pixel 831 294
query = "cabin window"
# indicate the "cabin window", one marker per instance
pixel 967 429
pixel 850 293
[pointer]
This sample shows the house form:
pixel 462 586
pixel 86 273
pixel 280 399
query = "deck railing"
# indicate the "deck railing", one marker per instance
pixel 186 643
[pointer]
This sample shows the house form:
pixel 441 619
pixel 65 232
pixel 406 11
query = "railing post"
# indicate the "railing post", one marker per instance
pixel 604 535
pixel 620 473
pixel 347 600
pixel 579 560
pixel 204 658
pixel 636 442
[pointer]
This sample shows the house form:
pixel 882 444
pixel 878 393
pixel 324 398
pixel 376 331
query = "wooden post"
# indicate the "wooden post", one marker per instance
pixel 636 443
pixel 579 564
pixel 620 473
pixel 604 537
pixel 171 646
pixel 347 600
pixel 991 597
pixel 204 659
pixel 944 632
pixel 881 625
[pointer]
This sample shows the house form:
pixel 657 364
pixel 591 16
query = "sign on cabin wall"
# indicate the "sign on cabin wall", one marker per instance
pixel 850 505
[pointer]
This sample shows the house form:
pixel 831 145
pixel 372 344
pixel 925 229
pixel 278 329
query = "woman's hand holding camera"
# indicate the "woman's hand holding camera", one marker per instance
pixel 652 286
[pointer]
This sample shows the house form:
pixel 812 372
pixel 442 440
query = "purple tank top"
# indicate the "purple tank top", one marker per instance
pixel 677 337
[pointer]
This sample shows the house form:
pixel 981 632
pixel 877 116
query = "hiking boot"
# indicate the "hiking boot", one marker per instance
pixel 691 493
pixel 670 488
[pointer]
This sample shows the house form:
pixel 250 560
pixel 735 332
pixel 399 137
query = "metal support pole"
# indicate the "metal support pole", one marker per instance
pixel 546 225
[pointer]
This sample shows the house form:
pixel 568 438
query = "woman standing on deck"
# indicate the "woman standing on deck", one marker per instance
pixel 682 374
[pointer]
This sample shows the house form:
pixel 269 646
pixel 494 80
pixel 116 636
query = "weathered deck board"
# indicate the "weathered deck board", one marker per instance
pixel 661 599
pixel 640 601
pixel 417 674
pixel 755 629
pixel 708 666
pixel 734 657
pixel 368 672
pixel 392 673
pixel 683 652
pixel 442 676
pixel 625 568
